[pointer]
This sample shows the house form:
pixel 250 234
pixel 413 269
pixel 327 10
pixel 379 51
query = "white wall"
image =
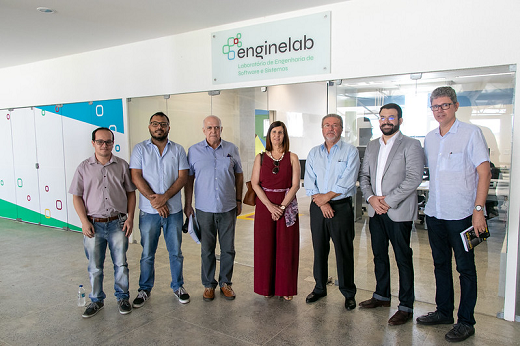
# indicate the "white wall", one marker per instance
pixel 369 38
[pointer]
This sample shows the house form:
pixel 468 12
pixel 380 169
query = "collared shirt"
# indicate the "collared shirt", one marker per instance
pixel 160 172
pixel 384 150
pixel 214 171
pixel 336 171
pixel 452 160
pixel 103 187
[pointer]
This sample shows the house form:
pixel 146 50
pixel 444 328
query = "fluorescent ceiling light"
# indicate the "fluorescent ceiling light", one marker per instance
pixel 485 75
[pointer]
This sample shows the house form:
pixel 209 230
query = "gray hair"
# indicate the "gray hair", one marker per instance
pixel 211 116
pixel 444 91
pixel 332 115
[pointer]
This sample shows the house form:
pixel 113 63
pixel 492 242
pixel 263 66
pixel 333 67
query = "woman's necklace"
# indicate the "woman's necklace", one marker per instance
pixel 277 160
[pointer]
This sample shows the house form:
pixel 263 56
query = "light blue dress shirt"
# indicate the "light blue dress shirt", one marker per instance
pixel 452 160
pixel 160 172
pixel 336 171
pixel 214 171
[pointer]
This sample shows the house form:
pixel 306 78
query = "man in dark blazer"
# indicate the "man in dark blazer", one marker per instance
pixel 391 171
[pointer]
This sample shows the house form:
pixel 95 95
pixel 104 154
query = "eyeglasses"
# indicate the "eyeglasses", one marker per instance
pixel 334 126
pixel 276 167
pixel 444 106
pixel 100 142
pixel 392 118
pixel 161 124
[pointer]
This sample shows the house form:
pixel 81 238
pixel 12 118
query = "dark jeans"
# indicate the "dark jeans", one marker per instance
pixel 211 224
pixel 382 230
pixel 444 237
pixel 341 229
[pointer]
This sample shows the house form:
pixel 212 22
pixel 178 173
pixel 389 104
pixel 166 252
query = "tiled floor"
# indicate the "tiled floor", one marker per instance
pixel 41 268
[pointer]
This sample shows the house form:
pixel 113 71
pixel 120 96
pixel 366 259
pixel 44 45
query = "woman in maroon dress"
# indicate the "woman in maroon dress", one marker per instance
pixel 276 179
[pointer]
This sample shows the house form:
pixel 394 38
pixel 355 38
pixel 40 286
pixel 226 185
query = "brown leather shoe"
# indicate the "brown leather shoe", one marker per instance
pixel 374 303
pixel 227 291
pixel 400 317
pixel 209 294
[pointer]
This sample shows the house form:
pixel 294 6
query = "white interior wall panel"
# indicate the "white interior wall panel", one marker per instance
pixel 25 160
pixel 51 172
pixel 8 207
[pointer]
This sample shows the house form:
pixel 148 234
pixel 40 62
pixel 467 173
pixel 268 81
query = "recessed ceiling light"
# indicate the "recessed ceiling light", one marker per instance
pixel 46 10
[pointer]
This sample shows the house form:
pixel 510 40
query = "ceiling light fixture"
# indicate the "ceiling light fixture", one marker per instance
pixel 46 10
pixel 485 75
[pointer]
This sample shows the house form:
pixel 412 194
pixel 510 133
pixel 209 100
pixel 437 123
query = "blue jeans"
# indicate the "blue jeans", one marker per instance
pixel 150 227
pixel 444 237
pixel 110 233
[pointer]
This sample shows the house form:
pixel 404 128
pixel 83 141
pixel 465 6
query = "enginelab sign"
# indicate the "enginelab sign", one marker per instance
pixel 286 48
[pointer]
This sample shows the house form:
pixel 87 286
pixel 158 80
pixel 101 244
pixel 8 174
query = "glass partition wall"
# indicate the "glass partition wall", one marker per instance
pixel 486 100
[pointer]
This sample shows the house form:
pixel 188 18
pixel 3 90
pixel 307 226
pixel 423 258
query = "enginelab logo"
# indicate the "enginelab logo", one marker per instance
pixel 231 42
pixel 292 45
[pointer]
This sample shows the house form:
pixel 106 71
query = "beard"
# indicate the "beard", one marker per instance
pixel 388 131
pixel 159 138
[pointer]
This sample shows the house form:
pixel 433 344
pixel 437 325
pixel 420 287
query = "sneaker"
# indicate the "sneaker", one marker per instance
pixel 142 296
pixel 183 296
pixel 124 306
pixel 460 332
pixel 434 318
pixel 227 291
pixel 93 308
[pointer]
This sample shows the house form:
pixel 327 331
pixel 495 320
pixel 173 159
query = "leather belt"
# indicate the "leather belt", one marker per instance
pixel 104 219
pixel 340 201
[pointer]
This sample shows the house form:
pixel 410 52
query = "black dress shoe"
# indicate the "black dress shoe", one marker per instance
pixel 374 303
pixel 434 318
pixel 350 304
pixel 312 297
pixel 460 332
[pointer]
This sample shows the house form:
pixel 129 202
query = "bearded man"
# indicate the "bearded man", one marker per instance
pixel 391 171
pixel 159 169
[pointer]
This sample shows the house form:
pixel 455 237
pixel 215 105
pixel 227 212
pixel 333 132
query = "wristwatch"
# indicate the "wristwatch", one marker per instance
pixel 282 207
pixel 478 208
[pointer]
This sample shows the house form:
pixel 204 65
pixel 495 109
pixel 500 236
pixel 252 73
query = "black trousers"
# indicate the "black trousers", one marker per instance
pixel 341 229
pixel 383 230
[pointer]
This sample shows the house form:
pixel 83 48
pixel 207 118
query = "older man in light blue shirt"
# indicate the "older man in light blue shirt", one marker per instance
pixel 216 172
pixel 160 170
pixel 458 159
pixel 331 172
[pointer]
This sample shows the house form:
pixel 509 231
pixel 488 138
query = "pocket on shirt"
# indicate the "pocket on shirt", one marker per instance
pixel 341 166
pixel 225 163
pixel 453 162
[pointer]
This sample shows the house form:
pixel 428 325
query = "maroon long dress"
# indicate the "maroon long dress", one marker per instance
pixel 276 245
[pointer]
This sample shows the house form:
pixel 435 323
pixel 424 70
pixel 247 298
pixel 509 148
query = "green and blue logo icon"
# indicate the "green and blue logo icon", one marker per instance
pixel 228 48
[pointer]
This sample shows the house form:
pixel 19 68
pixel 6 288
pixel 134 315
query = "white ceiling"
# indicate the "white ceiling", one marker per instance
pixel 27 35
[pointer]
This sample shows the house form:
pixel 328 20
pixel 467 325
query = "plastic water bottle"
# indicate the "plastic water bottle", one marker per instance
pixel 81 296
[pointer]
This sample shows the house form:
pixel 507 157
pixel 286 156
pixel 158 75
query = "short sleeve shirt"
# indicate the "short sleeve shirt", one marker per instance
pixel 103 187
pixel 159 171
pixel 214 171
pixel 452 160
